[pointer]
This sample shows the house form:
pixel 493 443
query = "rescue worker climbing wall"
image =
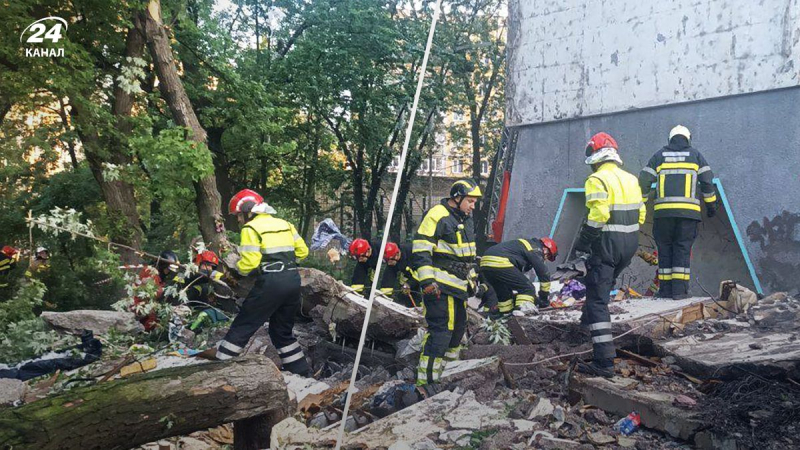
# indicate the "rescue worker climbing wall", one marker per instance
pixel 609 240
pixel 504 266
pixel 270 248
pixel 677 169
pixel 443 255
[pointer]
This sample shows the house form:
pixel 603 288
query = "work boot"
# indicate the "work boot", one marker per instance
pixel 596 370
pixel 680 296
pixel 663 294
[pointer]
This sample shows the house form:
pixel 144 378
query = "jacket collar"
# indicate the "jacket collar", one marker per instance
pixel 458 214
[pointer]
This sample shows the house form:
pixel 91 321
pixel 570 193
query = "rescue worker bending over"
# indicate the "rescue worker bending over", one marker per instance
pixel 366 262
pixel 201 291
pixel 504 266
pixel 398 271
pixel 40 263
pixel 610 238
pixel 8 261
pixel 270 248
pixel 443 255
pixel 677 169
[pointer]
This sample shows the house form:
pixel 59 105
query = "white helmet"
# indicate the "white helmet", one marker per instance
pixel 680 130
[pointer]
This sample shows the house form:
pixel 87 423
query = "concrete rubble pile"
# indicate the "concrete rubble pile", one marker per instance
pixel 695 370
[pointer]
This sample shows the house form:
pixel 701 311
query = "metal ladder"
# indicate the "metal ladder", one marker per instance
pixel 503 161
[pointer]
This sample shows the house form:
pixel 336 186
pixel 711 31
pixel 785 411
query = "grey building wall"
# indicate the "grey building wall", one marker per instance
pixel 585 57
pixel 752 143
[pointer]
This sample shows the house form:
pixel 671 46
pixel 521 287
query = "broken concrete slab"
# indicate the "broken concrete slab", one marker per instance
pixel 100 322
pixel 718 355
pixel 410 425
pixel 542 408
pixel 473 415
pixel 632 309
pixel 301 387
pixel 12 391
pixel 615 396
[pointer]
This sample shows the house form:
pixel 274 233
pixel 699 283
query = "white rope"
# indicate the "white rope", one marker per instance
pixel 351 389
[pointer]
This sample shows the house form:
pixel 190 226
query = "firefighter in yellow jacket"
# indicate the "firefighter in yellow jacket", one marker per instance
pixel 270 248
pixel 609 238
pixel 443 254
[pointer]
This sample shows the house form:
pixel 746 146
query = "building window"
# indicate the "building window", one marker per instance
pixel 458 166
pixel 484 167
pixel 424 166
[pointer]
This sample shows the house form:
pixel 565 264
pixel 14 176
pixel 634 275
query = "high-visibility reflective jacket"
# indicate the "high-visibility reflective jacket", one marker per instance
pixel 269 244
pixel 6 266
pixel 677 169
pixel 443 249
pixel 519 254
pixel 616 210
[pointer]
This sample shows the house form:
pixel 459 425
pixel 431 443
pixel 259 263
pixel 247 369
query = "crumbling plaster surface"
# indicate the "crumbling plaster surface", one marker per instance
pixel 586 57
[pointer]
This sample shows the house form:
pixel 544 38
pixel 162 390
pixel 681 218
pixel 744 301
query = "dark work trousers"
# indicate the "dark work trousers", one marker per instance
pixel 275 298
pixel 502 285
pixel 447 321
pixel 674 237
pixel 603 269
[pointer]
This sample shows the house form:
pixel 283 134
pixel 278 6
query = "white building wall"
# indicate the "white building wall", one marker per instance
pixel 573 58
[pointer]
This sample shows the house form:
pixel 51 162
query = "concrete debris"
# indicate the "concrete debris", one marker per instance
pixel 12 391
pixel 542 408
pixel 100 322
pixel 301 387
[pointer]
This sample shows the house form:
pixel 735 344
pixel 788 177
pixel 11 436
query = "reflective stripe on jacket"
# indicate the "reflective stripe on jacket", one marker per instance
pixel 519 254
pixel 443 246
pixel 677 170
pixel 266 240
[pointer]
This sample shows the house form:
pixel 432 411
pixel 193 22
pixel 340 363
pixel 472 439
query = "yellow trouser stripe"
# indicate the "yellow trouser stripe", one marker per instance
pixel 451 313
pixel 497 262
pixel 711 199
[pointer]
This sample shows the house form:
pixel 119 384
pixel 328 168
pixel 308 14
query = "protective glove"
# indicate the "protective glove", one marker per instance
pixel 711 210
pixel 406 289
pixel 544 299
pixel 432 289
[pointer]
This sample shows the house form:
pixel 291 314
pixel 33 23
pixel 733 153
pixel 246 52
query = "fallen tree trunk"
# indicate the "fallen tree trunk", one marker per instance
pixel 169 402
pixel 330 302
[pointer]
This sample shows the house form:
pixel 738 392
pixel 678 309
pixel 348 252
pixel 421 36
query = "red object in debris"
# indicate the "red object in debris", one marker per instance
pixel 499 221
pixel 147 275
pixel 629 424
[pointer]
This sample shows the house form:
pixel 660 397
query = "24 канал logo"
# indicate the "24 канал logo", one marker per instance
pixel 40 31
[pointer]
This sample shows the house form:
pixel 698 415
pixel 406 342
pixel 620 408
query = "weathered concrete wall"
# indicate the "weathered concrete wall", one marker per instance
pixel 751 141
pixel 585 57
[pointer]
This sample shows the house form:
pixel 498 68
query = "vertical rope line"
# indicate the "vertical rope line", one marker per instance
pixel 387 225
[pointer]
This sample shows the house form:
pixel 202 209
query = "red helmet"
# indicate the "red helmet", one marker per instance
pixel 359 247
pixel 600 141
pixel 10 251
pixel 550 245
pixel 207 257
pixel 392 251
pixel 244 201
